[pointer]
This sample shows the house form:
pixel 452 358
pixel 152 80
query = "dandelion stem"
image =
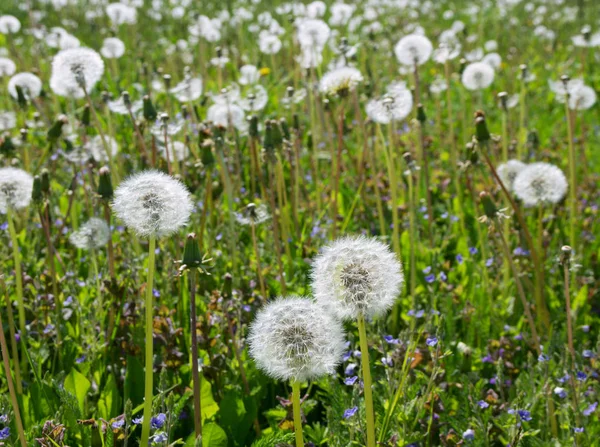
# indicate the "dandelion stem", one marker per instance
pixel 13 340
pixel 261 280
pixel 195 372
pixel 11 388
pixel 297 413
pixel 101 132
pixel 149 343
pixel 366 372
pixel 572 178
pixel 19 282
pixel 338 167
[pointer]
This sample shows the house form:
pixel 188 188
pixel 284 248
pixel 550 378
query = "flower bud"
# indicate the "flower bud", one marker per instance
pixel 191 252
pixel 105 189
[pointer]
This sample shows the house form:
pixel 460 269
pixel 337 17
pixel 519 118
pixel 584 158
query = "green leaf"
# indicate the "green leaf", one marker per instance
pixel 581 298
pixel 108 404
pixel 209 406
pixel 213 436
pixel 78 385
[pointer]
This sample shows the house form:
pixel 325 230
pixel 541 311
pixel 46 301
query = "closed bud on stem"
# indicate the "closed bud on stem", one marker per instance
pixel 85 116
pixel 55 130
pixel 290 91
pixel 105 96
pixel 463 64
pixel 24 134
pixel 523 69
pixel 21 99
pixel 207 156
pixel 167 80
pixel 253 128
pixel 149 110
pixel 421 117
pixel 227 285
pixel 36 192
pixel 503 99
pixel 285 129
pixel 268 143
pixel 533 140
pixel 126 99
pixel 481 131
pixel 191 253
pixel 105 189
pixel 7 145
pixel 45 181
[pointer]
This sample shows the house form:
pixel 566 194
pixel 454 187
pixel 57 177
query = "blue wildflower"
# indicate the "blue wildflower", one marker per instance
pixel 578 429
pixel 158 421
pixel 391 340
pixel 138 421
pixel 459 258
pixel 4 434
pixel 431 341
pixel 524 415
pixel 483 404
pixel 588 354
pixel 581 376
pixel 469 434
pixel 590 409
pixel 442 276
pixel 473 251
pixel 560 392
pixel 118 424
pixel 543 358
pixel 158 438
pixel 350 369
pixel 351 380
pixel 430 278
pixel 350 412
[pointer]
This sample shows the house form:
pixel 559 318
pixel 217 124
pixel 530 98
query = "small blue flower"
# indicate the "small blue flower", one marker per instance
pixel 350 412
pixel 588 354
pixel 427 270
pixel 524 415
pixel 351 380
pixel 387 361
pixel 473 250
pixel 469 435
pixel 3 418
pixel 578 429
pixel 442 277
pixel 591 409
pixel 543 358
pixel 483 404
pixel 431 341
pixel 391 340
pixel 564 378
pixel 350 369
pixel 118 424
pixel 80 360
pixel 459 258
pixel 581 376
pixel 4 434
pixel 156 293
pixel 489 262
pixel 138 421
pixel 347 356
pixel 158 421
pixel 158 438
pixel 430 278
pixel 585 328
pixel 560 392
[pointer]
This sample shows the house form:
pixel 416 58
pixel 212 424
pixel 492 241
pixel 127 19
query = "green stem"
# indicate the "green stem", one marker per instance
pixel 297 413
pixel 19 283
pixel 572 179
pixel 195 372
pixel 366 371
pixel 149 345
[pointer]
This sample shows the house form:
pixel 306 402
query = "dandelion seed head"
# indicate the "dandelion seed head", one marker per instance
pixel 92 235
pixel 9 24
pixel 293 339
pixel 540 183
pixel 152 203
pixel 582 98
pixel 188 90
pixel 356 276
pixel 340 81
pixel 120 13
pixel 112 48
pixel 7 67
pixel 413 49
pixel 30 85
pixel 8 120
pixel 75 69
pixel 253 214
pixel 16 186
pixel 477 76
pixel 508 172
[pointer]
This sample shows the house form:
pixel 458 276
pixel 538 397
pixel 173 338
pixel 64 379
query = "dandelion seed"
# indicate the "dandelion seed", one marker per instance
pixel 478 76
pixel 293 339
pixel 74 70
pixel 152 203
pixel 7 67
pixel 508 172
pixel 30 85
pixel 413 50
pixel 190 89
pixel 9 24
pixel 93 234
pixel 16 186
pixel 357 276
pixel 340 81
pixel 540 183
pixel 112 48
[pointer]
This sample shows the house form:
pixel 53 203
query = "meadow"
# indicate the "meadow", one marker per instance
pixel 271 223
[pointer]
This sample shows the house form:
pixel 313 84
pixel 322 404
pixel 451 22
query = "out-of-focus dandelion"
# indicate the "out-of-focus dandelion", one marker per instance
pixel 508 172
pixel 478 76
pixel 540 183
pixel 413 50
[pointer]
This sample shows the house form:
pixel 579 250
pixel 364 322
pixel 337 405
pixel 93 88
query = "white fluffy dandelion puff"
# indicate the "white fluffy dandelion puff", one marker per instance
pixel 92 235
pixel 75 69
pixel 357 276
pixel 508 172
pixel 30 85
pixel 540 183
pixel 413 50
pixel 477 76
pixel 152 203
pixel 16 186
pixel 340 80
pixel 292 338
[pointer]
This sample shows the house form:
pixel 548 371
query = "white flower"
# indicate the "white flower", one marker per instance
pixel 30 85
pixel 413 50
pixel 188 90
pixel 582 98
pixel 508 172
pixel 120 14
pixel 540 183
pixel 95 148
pixel 8 120
pixel 152 203
pixel 93 234
pixel 340 80
pixel 112 48
pixel 477 76
pixel 7 67
pixel 357 276
pixel 9 24
pixel 16 186
pixel 313 34
pixel 75 69
pixel 294 339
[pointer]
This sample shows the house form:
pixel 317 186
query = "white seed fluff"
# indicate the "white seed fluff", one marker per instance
pixel 152 203
pixel 76 68
pixel 357 276
pixel 508 172
pixel 477 76
pixel 91 235
pixel 540 183
pixel 294 339
pixel 338 79
pixel 16 186
pixel 413 49
pixel 29 83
